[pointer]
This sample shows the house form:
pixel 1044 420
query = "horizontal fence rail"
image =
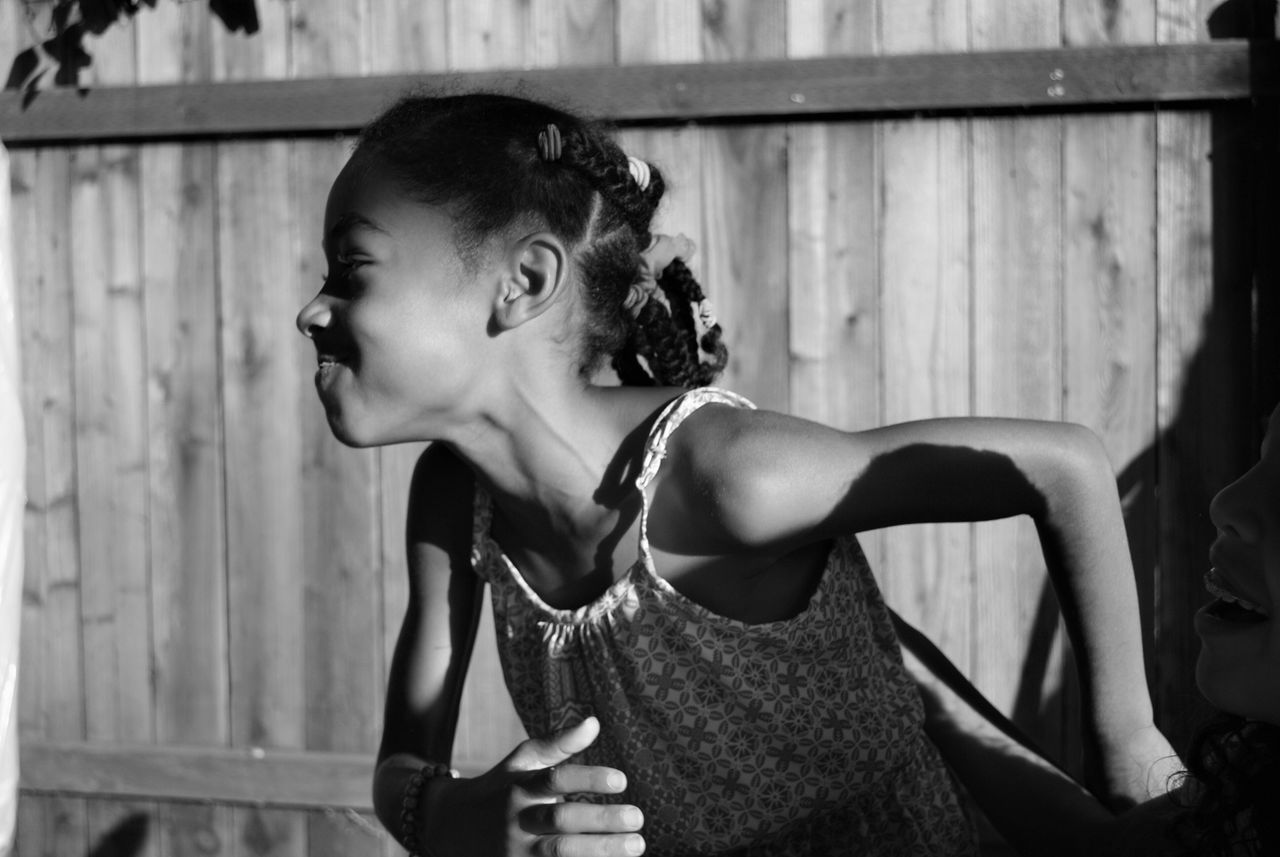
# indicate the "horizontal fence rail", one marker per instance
pixel 298 779
pixel 1048 79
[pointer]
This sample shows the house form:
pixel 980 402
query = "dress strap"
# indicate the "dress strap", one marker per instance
pixel 670 419
pixel 656 446
pixel 481 519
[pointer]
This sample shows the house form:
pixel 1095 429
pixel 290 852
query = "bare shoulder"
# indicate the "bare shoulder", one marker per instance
pixel 727 468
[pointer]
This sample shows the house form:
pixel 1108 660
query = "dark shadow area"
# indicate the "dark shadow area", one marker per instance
pixel 1227 389
pixel 126 839
pixel 58 56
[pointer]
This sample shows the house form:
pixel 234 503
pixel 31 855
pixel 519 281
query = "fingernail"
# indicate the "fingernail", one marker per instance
pixel 632 817
pixel 635 845
pixel 616 781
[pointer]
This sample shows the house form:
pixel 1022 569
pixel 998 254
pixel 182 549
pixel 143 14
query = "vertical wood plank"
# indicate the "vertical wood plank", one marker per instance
pixel 744 189
pixel 1109 276
pixel 111 425
pixel 111 444
pixel 833 262
pixel 188 530
pixel 340 486
pixel 1203 322
pixel 408 36
pixel 187 514
pixel 263 453
pixel 32 681
pixel 924 198
pixel 659 31
pixel 53 705
pixel 1017 369
pixel 488 34
pixel 264 464
pixel 573 32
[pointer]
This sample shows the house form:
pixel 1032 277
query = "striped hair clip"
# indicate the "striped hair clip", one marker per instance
pixel 549 143
pixel 639 172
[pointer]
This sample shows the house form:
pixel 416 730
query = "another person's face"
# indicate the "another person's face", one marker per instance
pixel 398 326
pixel 1239 666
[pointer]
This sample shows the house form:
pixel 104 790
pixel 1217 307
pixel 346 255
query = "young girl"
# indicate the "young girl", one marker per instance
pixel 688 629
pixel 1228 803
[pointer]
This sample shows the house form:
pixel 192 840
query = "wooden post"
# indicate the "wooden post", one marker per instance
pixel 12 499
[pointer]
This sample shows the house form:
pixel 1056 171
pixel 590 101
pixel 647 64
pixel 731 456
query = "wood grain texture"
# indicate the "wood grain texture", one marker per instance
pixel 924 196
pixel 1047 80
pixel 833 261
pixel 51 690
pixel 305 779
pixel 744 190
pixel 1017 307
pixel 1109 301
pixel 408 36
pixel 262 381
pixel 111 444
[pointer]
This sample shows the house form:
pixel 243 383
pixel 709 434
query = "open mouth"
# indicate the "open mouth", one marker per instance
pixel 1231 606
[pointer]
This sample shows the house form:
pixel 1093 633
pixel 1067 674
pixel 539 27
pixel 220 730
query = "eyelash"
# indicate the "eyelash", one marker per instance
pixel 346 266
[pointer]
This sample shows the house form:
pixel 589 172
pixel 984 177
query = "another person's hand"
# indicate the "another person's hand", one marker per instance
pixel 519 807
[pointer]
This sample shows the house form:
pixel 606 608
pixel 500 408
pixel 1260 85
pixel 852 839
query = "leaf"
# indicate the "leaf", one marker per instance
pixel 236 14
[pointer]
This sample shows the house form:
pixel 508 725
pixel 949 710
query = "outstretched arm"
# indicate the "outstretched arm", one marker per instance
pixel 773 481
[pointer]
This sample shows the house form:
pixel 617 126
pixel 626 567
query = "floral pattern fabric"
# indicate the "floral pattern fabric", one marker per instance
pixel 800 736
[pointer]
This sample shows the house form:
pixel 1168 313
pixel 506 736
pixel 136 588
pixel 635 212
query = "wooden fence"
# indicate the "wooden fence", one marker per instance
pixel 904 208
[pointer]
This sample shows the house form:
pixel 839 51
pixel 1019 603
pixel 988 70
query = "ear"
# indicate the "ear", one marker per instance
pixel 533 274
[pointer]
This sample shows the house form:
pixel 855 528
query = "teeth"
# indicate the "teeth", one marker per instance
pixel 1214 584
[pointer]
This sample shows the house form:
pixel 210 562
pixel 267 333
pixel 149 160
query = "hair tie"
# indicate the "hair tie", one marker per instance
pixel 639 294
pixel 639 172
pixel 549 143
pixel 705 315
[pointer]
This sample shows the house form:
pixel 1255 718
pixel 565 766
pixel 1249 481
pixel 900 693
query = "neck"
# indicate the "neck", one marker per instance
pixel 556 461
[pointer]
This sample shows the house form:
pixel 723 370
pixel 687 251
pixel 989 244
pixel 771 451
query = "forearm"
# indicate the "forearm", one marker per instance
pixel 1033 805
pixel 1087 555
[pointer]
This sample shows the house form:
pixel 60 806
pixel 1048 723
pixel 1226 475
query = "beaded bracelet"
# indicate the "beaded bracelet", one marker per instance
pixel 412 796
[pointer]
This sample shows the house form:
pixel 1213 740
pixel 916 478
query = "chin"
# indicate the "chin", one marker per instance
pixel 1247 696
pixel 351 435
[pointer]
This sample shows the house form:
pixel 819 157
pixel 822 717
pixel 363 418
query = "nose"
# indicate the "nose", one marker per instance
pixel 1235 509
pixel 316 315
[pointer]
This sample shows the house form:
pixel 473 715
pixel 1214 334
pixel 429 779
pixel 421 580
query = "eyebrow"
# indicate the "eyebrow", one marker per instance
pixel 348 221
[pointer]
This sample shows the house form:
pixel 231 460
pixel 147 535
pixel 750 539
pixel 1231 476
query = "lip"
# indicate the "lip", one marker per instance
pixel 1208 625
pixel 1232 570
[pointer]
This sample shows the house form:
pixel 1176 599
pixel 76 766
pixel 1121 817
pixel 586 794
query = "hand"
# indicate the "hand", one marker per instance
pixel 1135 767
pixel 519 806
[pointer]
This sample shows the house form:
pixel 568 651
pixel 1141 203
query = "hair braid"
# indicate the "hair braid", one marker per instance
pixel 666 337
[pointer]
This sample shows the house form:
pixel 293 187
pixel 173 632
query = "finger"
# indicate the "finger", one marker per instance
pixel 555 818
pixel 589 845
pixel 544 752
pixel 560 780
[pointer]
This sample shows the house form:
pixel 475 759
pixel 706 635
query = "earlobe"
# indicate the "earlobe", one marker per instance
pixel 534 275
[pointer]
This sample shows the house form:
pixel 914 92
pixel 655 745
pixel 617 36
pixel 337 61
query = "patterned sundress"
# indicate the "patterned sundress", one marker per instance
pixel 794 737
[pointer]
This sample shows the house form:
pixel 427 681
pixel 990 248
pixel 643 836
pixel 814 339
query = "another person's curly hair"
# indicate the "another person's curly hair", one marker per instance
pixel 1232 798
pixel 478 155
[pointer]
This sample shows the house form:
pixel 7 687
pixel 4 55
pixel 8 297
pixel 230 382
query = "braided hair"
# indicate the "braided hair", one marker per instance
pixel 479 155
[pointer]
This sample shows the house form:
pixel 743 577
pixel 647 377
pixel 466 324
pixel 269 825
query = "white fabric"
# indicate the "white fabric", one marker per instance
pixel 12 500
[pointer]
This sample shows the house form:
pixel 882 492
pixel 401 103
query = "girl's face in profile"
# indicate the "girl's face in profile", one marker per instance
pixel 398 326
pixel 1239 666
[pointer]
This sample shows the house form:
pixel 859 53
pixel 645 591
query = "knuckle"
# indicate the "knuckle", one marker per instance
pixel 552 846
